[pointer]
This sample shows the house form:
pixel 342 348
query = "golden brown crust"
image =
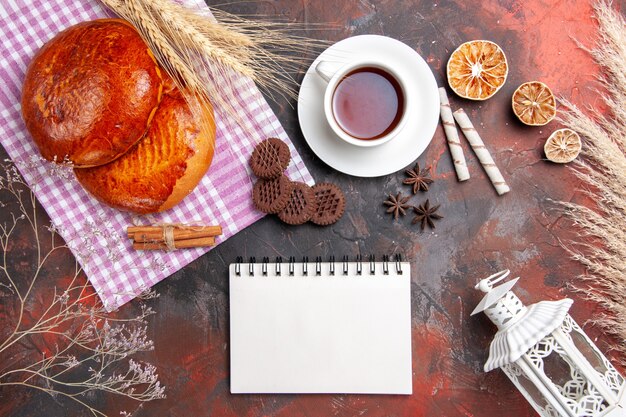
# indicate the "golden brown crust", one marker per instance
pixel 90 92
pixel 163 168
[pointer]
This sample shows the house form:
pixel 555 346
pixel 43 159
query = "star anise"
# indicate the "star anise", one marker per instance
pixel 418 178
pixel 426 214
pixel 397 205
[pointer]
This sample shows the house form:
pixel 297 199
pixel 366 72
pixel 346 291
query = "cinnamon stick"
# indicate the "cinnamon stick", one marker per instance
pixel 132 231
pixel 178 244
pixel 157 235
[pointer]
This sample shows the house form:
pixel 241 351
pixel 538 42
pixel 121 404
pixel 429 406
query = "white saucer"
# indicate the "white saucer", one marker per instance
pixel 400 151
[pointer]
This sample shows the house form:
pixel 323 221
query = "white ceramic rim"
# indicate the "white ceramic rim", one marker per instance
pixel 410 142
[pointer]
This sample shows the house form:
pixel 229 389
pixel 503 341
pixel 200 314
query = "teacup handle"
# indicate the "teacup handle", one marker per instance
pixel 323 73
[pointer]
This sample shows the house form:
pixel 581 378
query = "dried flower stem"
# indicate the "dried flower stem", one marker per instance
pixel 601 230
pixel 85 335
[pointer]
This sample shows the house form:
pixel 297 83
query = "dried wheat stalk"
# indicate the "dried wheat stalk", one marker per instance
pixel 207 56
pixel 602 229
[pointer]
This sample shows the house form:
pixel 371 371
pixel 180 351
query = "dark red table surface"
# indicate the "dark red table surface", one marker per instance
pixel 480 234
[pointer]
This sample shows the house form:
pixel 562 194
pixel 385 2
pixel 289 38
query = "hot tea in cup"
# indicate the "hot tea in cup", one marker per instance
pixel 364 102
pixel 368 103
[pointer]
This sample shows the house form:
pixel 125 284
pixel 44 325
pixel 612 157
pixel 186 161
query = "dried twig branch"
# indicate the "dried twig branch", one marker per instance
pixel 92 348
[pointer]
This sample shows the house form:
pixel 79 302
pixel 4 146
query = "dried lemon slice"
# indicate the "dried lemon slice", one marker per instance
pixel 534 104
pixel 477 69
pixel 562 146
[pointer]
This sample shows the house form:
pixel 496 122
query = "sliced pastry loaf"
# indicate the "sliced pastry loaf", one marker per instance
pixel 162 168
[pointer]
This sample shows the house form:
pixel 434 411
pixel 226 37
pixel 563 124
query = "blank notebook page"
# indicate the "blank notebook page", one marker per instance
pixel 320 334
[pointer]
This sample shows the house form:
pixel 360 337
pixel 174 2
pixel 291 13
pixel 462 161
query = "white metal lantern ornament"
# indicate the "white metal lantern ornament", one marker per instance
pixel 548 357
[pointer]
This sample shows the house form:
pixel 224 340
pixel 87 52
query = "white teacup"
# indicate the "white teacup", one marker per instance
pixel 334 78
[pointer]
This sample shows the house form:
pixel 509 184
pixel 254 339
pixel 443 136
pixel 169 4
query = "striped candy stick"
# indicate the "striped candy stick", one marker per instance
pixel 452 135
pixel 481 151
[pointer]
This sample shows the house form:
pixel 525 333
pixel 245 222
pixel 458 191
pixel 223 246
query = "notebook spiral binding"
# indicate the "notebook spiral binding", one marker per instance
pixel 291 265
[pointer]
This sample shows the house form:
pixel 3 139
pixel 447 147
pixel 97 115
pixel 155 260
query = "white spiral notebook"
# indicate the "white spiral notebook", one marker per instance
pixel 320 327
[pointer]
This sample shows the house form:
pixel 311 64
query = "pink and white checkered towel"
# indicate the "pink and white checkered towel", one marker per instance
pixel 96 233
